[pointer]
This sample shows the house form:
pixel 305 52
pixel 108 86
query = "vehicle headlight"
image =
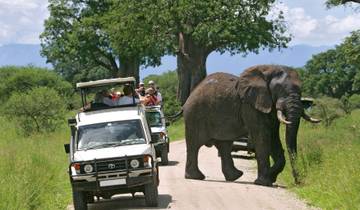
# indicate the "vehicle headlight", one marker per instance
pixel 134 163
pixel 88 168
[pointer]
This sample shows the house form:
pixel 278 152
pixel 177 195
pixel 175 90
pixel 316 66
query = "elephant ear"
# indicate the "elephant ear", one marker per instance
pixel 253 89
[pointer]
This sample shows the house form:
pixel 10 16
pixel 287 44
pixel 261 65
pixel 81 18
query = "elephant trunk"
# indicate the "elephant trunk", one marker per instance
pixel 293 115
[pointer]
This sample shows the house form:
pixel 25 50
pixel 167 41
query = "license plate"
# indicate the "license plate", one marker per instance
pixel 112 182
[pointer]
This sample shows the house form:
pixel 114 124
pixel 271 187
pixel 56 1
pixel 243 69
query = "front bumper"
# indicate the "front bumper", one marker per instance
pixel 94 185
pixel 122 178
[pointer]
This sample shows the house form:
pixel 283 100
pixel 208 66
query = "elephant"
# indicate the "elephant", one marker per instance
pixel 224 107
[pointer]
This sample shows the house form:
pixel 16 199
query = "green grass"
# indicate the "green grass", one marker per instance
pixel 33 170
pixel 177 130
pixel 329 162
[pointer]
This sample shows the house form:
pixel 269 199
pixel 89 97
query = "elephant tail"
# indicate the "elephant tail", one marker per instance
pixel 175 116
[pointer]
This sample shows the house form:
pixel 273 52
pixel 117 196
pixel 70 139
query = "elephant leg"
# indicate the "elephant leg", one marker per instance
pixel 192 170
pixel 227 164
pixel 277 154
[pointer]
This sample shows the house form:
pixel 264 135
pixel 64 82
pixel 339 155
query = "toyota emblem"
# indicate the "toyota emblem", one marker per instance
pixel 111 166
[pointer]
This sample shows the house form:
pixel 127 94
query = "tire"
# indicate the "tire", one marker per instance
pixel 151 194
pixel 164 155
pixel 79 199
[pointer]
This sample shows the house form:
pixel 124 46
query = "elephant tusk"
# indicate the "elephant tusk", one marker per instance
pixel 310 119
pixel 281 117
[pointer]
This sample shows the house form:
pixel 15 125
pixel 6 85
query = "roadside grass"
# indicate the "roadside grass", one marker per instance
pixel 177 130
pixel 329 162
pixel 33 170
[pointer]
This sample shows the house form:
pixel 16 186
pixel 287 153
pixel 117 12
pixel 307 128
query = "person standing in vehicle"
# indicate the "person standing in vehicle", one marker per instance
pixel 156 93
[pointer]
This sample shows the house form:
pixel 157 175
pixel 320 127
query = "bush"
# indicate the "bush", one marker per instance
pixel 22 79
pixel 328 109
pixel 354 101
pixel 38 110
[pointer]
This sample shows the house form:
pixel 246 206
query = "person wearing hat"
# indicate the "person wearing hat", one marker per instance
pixel 141 90
pixel 150 99
pixel 157 93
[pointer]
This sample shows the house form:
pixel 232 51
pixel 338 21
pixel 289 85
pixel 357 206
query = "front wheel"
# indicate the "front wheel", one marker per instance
pixel 79 199
pixel 151 194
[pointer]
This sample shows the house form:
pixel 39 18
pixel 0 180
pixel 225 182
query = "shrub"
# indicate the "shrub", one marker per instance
pixel 354 101
pixel 328 109
pixel 38 110
pixel 22 79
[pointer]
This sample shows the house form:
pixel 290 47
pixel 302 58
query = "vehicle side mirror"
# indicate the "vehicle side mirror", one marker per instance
pixel 67 148
pixel 167 123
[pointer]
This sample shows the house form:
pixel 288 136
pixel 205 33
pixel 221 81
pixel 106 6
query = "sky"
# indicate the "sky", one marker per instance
pixel 309 22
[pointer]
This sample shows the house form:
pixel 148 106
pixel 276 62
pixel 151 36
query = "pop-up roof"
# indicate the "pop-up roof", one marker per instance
pixel 105 82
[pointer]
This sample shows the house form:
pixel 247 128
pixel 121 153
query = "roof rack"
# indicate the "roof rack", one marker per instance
pixel 104 82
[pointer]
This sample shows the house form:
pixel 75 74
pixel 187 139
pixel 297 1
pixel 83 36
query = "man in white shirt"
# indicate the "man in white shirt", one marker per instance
pixel 128 97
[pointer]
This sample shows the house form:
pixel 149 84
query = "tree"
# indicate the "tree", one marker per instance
pixel 74 42
pixel 193 29
pixel 332 3
pixel 37 110
pixel 77 41
pixel 336 72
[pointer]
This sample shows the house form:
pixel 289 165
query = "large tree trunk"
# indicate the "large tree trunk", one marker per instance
pixel 130 68
pixel 191 66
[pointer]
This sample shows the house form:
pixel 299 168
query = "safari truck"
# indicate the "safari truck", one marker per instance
pixel 110 149
pixel 157 123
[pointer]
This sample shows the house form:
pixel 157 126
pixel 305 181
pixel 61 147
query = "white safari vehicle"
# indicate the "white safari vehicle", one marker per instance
pixel 110 150
pixel 157 123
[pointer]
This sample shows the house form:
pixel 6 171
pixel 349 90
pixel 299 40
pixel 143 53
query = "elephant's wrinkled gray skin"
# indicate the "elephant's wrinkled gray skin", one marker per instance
pixel 224 107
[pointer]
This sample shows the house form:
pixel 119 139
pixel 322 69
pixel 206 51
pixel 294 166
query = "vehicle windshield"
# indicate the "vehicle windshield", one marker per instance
pixel 110 134
pixel 154 119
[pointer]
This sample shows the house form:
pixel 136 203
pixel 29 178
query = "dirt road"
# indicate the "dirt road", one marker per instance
pixel 175 192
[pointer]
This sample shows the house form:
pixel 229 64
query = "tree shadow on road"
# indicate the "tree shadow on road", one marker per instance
pixel 128 202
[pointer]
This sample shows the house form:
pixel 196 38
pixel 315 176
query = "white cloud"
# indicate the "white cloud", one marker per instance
pixel 325 30
pixel 21 21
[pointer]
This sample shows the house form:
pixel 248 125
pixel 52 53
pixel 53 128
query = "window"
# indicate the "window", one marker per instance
pixel 110 134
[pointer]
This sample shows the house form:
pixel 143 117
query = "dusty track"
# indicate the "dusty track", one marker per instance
pixel 175 192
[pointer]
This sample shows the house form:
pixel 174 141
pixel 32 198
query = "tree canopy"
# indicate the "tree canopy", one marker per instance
pixel 85 39
pixel 332 3
pixel 336 72
pixel 193 29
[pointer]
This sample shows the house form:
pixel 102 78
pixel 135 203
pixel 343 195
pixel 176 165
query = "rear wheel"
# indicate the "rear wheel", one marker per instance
pixel 151 193
pixel 79 199
pixel 164 155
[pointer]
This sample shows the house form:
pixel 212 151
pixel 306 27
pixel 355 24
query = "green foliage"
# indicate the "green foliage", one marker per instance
pixel 333 3
pixel 329 158
pixel 75 44
pixel 33 170
pixel 328 109
pixel 167 82
pixel 22 79
pixel 354 101
pixel 336 72
pixel 177 130
pixel 37 110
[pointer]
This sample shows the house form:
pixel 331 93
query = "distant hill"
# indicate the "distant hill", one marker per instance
pixel 296 56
